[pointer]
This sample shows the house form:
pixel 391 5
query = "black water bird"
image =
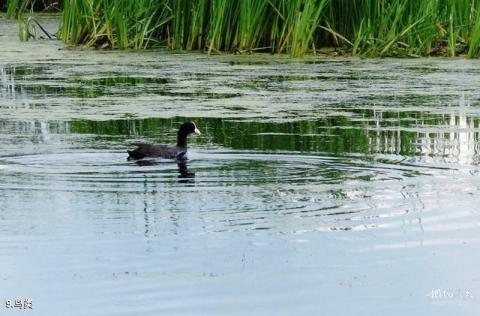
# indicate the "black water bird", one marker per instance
pixel 163 151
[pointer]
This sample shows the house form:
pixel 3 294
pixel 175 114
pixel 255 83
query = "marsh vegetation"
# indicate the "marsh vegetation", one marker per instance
pixel 373 28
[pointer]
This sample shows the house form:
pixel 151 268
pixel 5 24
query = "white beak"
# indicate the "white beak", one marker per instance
pixel 197 131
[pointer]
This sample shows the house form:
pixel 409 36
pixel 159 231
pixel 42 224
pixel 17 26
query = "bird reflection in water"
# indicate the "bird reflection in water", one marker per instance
pixel 184 175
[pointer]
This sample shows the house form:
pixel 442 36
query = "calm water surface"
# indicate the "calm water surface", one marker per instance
pixel 340 187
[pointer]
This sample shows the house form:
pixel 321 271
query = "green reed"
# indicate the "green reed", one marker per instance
pixel 211 25
pixel 401 27
pixel 16 7
pixel 112 24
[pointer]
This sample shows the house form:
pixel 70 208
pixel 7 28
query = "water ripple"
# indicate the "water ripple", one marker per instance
pixel 235 190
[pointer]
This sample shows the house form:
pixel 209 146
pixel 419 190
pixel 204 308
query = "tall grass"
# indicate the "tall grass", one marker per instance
pixel 111 24
pixel 402 27
pixel 211 25
pixel 15 8
pixel 297 27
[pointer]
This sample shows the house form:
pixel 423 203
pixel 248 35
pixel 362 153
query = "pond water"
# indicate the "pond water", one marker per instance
pixel 318 186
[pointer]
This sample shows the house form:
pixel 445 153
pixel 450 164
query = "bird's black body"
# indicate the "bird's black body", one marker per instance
pixel 163 151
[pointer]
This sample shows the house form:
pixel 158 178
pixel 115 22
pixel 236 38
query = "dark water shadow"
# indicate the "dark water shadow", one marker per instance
pixel 184 174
